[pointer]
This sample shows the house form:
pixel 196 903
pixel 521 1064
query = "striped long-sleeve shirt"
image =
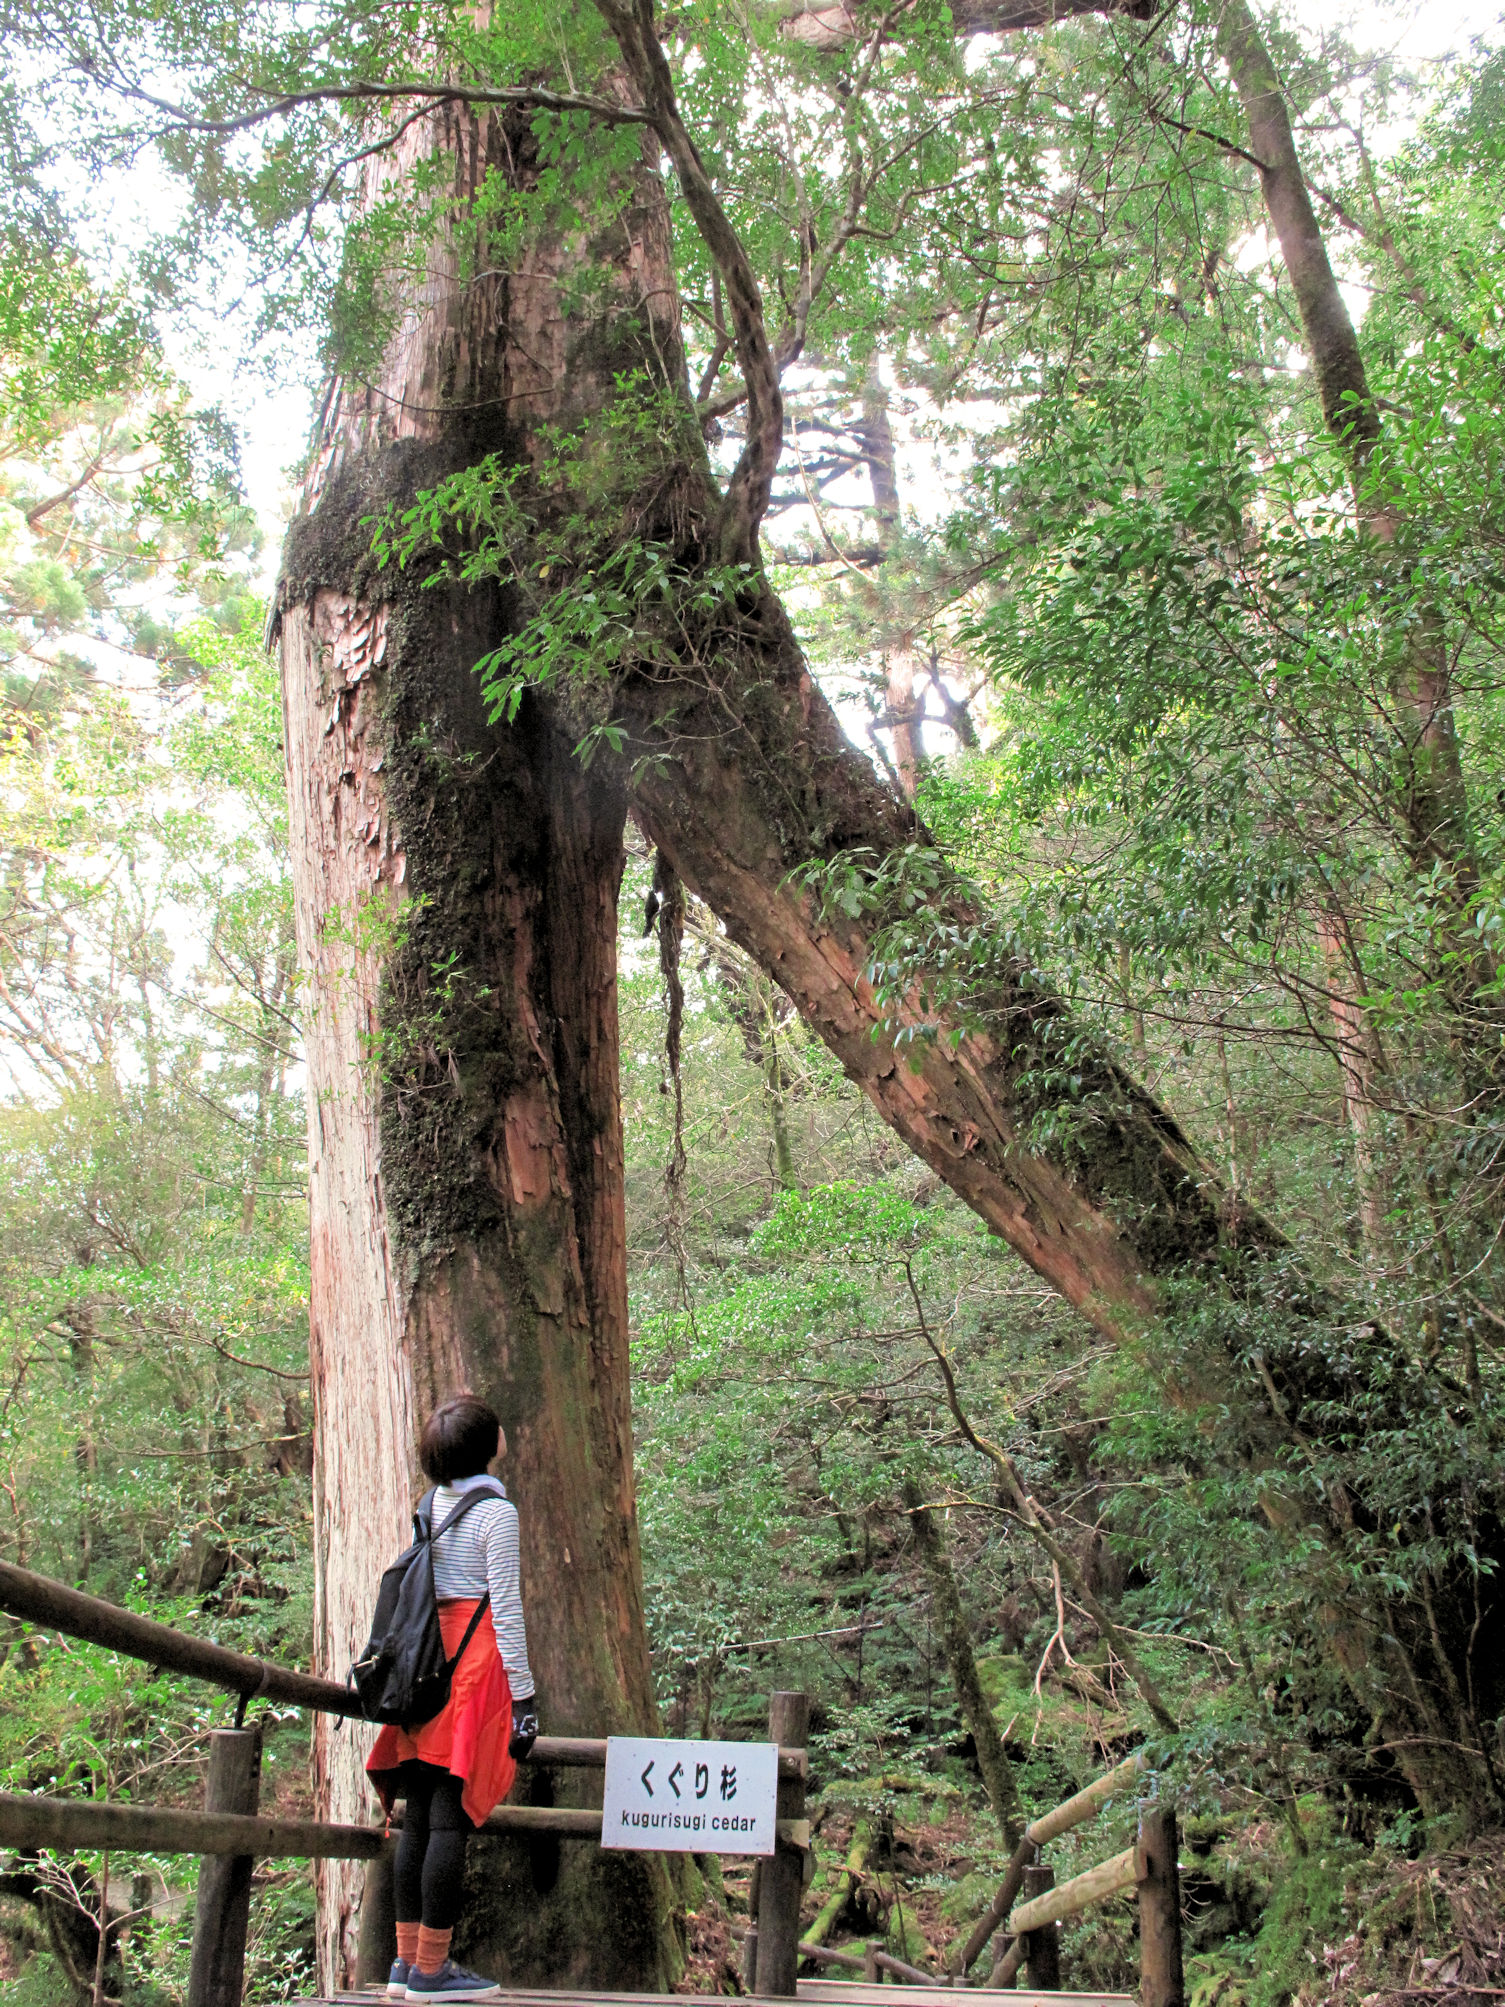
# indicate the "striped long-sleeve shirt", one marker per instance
pixel 481 1554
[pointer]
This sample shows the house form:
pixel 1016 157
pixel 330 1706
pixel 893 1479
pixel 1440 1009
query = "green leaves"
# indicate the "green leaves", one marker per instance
pixel 847 1221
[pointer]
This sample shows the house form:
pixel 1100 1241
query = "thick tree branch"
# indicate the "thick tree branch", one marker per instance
pixel 38 510
pixel 631 22
pixel 1214 138
pixel 529 96
pixel 832 24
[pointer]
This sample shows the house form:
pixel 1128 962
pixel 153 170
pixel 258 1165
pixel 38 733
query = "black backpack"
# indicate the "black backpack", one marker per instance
pixel 403 1675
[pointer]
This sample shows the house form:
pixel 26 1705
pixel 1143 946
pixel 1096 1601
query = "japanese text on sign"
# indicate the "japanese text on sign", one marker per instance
pixel 690 1797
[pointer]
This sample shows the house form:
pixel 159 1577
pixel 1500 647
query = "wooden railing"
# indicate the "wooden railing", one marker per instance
pixel 229 1837
pixel 1029 1931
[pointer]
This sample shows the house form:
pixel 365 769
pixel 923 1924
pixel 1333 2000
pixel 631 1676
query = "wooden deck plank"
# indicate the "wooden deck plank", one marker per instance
pixel 856 1994
pixel 835 1991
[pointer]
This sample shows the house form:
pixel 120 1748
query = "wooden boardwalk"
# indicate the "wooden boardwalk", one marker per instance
pixel 812 1990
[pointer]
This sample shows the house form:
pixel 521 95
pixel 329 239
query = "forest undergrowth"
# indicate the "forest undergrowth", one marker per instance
pixel 785 1385
pixel 790 1293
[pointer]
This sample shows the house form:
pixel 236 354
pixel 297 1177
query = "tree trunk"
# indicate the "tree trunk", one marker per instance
pixel 79 1319
pixel 901 713
pixel 902 708
pixel 741 776
pixel 1132 1010
pixel 1360 1062
pixel 456 888
pixel 956 1643
pixel 753 1004
pixel 1432 799
pixel 467 1201
pixel 848 1882
pixel 1100 1216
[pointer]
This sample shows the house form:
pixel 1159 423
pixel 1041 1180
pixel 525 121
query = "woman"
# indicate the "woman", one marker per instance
pixel 454 1769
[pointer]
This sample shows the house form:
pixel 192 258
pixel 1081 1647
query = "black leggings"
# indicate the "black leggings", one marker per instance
pixel 430 1868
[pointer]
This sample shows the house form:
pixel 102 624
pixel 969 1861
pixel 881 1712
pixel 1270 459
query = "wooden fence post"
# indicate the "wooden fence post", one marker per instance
pixel 750 1942
pixel 216 1976
pixel 1042 1947
pixel 1006 1966
pixel 1161 1982
pixel 781 1882
pixel 377 1945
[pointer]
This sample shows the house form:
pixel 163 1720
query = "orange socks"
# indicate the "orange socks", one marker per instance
pixel 407 1942
pixel 433 1948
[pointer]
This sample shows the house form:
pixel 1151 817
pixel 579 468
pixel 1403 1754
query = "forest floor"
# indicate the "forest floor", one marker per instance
pixel 1434 1930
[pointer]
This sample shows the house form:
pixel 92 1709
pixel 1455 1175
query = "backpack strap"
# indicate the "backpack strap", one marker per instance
pixel 475 1496
pixel 470 1630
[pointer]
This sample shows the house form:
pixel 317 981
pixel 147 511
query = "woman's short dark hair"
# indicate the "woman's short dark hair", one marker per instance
pixel 459 1439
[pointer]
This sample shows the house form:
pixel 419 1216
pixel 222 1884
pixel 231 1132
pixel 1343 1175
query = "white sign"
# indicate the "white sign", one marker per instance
pixel 690 1797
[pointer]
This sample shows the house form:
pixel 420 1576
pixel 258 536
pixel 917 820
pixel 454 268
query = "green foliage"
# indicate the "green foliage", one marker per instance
pixel 153 1292
pixel 118 501
pixel 1198 815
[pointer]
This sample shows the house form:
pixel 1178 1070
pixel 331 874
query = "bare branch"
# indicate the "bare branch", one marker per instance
pixel 832 24
pixel 1034 1520
pixel 631 22
pixel 527 96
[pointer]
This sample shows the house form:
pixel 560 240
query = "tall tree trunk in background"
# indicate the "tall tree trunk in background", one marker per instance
pixel 270 1072
pixel 753 1004
pixel 901 712
pixel 901 706
pixel 1432 798
pixel 456 888
pixel 1360 1062
pixel 961 1663
pixel 79 1318
pixel 1132 1009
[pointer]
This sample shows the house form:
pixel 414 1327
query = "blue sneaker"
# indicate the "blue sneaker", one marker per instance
pixel 397 1979
pixel 450 1982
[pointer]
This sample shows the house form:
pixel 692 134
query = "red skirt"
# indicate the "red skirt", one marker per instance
pixel 470 1734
